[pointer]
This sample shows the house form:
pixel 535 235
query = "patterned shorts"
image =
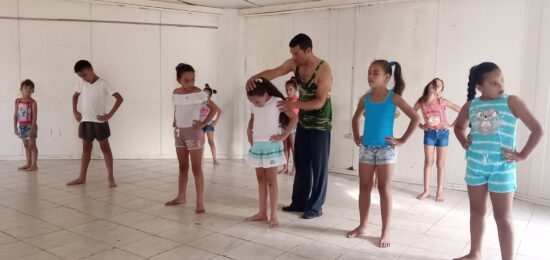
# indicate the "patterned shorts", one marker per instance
pixel 500 177
pixel 25 132
pixel 189 138
pixel 377 155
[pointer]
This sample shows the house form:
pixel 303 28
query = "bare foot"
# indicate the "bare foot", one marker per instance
pixel 357 232
pixel 423 195
pixel 77 181
pixel 469 256
pixel 216 162
pixel 200 211
pixel 439 196
pixel 24 167
pixel 112 183
pixel 257 217
pixel 175 201
pixel 283 170
pixel 32 169
pixel 292 173
pixel 385 241
pixel 274 223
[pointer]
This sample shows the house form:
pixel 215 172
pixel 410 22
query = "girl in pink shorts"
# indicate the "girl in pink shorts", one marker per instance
pixel 188 134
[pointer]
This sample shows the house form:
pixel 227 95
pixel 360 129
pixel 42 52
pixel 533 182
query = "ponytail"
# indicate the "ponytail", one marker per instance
pixel 477 75
pixel 471 85
pixel 399 86
pixel 399 83
pixel 264 86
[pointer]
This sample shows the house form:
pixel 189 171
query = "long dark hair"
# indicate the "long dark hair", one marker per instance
pixel 424 96
pixel 477 75
pixel 399 84
pixel 264 86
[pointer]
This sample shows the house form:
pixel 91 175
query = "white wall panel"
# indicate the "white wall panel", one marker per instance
pixel 9 86
pixel 47 58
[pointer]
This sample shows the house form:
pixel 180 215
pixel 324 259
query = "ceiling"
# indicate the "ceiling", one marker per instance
pixel 236 4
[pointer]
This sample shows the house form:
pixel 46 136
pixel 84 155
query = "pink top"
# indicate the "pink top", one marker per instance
pixel 294 100
pixel 435 117
pixel 205 110
pixel 24 111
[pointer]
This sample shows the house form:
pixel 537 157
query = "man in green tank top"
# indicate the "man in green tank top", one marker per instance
pixel 312 145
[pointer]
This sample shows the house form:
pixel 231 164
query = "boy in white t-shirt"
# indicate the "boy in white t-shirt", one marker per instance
pixel 93 118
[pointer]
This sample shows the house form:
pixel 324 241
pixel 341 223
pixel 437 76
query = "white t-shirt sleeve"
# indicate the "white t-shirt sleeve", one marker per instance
pixel 109 88
pixel 78 87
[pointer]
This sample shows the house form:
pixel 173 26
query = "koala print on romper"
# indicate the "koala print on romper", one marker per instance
pixel 486 121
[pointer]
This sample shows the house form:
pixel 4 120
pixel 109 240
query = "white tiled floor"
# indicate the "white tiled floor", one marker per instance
pixel 41 218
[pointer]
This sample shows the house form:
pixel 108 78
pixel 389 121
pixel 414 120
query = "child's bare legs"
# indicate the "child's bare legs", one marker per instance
pixel 428 163
pixel 210 136
pixel 108 156
pixel 287 154
pixel 502 209
pixel 478 212
pixel 271 181
pixel 87 147
pixel 262 191
pixel 385 173
pixel 33 155
pixel 441 155
pixel 27 156
pixel 183 160
pixel 366 172
pixel 196 167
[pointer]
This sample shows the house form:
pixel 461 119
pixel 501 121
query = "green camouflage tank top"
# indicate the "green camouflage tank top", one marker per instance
pixel 320 119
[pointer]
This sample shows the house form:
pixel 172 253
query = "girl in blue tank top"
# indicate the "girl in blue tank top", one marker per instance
pixel 491 153
pixel 377 144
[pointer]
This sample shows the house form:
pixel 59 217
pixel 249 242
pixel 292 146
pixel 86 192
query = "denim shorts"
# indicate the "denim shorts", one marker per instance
pixel 438 138
pixel 25 132
pixel 208 128
pixel 377 155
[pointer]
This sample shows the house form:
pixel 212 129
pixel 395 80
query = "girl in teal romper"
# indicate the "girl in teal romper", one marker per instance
pixel 491 153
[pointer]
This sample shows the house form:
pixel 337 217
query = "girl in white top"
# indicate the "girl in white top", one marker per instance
pixel 267 151
pixel 188 134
